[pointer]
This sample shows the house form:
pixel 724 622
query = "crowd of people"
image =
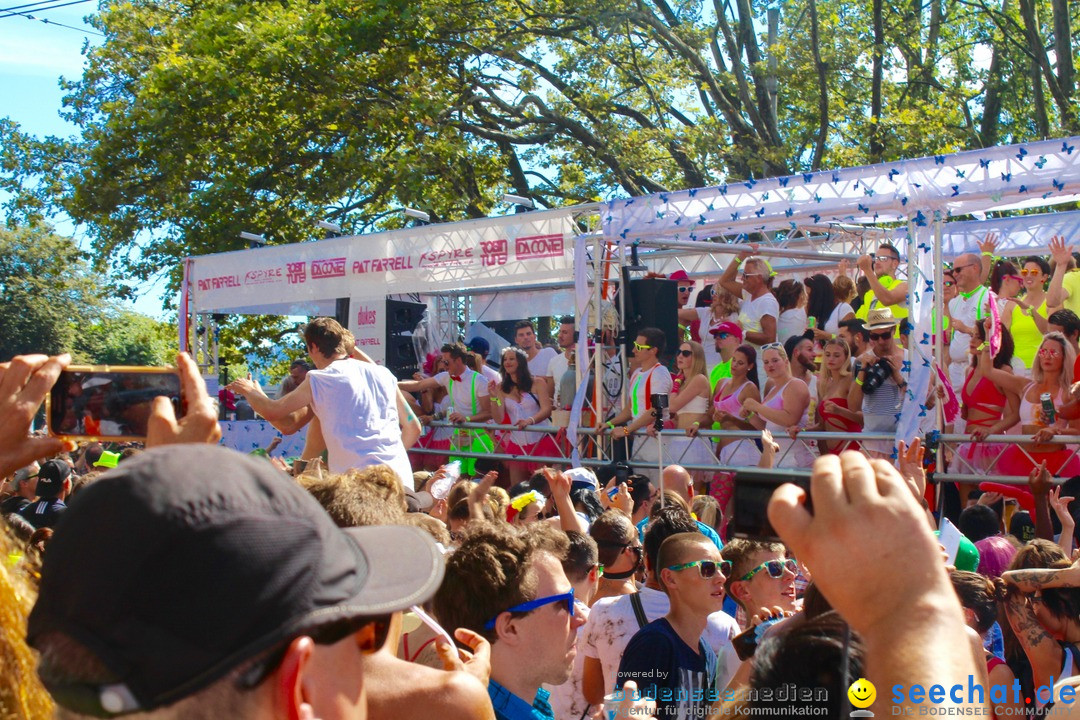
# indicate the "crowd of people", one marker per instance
pixel 176 579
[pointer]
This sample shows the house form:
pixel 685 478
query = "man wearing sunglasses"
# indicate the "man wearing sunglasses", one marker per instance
pixel 881 400
pixel 240 599
pixel 727 336
pixel 970 306
pixel 758 308
pixel 508 585
pixel 668 658
pixel 650 378
pixel 762 576
pixel 885 289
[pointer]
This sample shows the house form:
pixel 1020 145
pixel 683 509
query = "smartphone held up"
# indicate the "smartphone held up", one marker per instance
pixel 102 402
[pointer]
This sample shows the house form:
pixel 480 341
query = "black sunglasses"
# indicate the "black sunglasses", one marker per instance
pixel 686 353
pixel 881 336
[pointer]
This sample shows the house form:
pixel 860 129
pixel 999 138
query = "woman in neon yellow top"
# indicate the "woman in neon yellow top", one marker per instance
pixel 1025 315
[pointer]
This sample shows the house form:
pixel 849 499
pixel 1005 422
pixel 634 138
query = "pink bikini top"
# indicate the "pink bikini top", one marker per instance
pixel 730 403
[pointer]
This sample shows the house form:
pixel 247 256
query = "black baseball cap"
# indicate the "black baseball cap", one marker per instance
pixel 188 560
pixel 479 345
pixel 51 477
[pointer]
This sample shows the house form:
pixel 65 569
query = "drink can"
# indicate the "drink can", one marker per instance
pixel 1048 408
pixel 811 322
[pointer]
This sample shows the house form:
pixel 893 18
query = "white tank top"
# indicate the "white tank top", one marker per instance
pixel 356 403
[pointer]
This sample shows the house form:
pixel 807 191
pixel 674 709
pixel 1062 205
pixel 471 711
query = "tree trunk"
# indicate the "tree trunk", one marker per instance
pixel 995 84
pixel 823 90
pixel 877 147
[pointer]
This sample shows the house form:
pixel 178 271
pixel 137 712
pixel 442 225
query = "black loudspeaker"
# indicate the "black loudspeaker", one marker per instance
pixel 341 311
pixel 654 302
pixel 401 320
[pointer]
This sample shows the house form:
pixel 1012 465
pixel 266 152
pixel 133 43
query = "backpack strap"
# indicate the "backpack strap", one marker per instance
pixel 639 610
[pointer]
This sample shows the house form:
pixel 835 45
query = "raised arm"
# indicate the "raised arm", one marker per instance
pixel 1056 295
pixel 418 385
pixel 273 409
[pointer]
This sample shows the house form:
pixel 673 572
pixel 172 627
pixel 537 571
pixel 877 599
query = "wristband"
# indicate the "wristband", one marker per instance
pixel 611 425
pixel 858 382
pixel 987 254
pixel 738 261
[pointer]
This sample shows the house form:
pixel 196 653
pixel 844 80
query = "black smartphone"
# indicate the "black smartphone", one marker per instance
pixel 103 402
pixel 753 489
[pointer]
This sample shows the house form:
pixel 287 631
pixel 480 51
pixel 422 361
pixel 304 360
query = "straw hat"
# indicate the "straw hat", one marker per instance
pixel 880 319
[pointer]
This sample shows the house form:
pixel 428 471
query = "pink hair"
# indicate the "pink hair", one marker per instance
pixel 995 554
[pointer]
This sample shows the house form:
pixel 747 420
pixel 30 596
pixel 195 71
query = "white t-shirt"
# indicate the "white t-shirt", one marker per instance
pixel 751 311
pixel 612 623
pixel 556 369
pixel 490 373
pixel 356 403
pixel 461 394
pixel 841 311
pixel 568 700
pixel 655 380
pixel 967 311
pixel 712 355
pixel 790 323
pixel 538 366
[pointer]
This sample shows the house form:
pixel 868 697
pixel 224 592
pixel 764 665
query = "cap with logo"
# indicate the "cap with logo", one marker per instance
pixel 51 478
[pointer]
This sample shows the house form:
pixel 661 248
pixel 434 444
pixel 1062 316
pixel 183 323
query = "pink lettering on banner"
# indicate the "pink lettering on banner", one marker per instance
pixel 261 277
pixel 447 258
pixel 219 282
pixel 368 342
pixel 296 272
pixel 366 316
pixel 538 246
pixel 400 262
pixel 494 252
pixel 329 268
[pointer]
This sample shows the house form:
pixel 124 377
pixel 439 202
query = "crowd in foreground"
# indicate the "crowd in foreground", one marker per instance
pixel 191 581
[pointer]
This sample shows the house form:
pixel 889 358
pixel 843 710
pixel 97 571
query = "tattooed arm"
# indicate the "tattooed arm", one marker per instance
pixel 1043 653
pixel 1029 581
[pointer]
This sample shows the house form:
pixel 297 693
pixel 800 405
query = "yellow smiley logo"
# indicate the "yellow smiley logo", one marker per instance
pixel 862 693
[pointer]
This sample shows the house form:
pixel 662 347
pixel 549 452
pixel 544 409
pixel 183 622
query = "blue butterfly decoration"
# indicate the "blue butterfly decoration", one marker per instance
pixel 710 208
pixel 863 208
pixel 1040 162
pixel 734 216
pixel 678 220
pixel 793 226
pixel 960 173
pixel 835 177
pixel 868 191
pixel 659 214
pixel 955 190
pixel 929 286
pixel 984 163
pixel 905 366
pixel 765 197
pixel 1007 177
pixel 893 173
pixel 925 339
pixel 920 219
pixel 1023 189
pixel 789 212
pixel 816 217
pixel 922 408
pixel 701 220
pixel 742 237
pixel 817 198
pixel 807 177
pixel 1059 185
pixel 903 201
pixel 924 247
pixel 783 181
pixel 624 233
pixel 759 212
pixel 1046 195
pixel 693 192
pixel 894 455
pixel 628 203
pixel 926 362
pixel 723 189
pixel 750 184
pixel 1067 147
pixel 1020 155
pixel 939 159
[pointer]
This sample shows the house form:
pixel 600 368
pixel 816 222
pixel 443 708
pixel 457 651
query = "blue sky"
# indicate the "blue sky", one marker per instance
pixel 33 57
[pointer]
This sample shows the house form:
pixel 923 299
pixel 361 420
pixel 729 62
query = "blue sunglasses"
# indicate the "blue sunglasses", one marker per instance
pixel 525 607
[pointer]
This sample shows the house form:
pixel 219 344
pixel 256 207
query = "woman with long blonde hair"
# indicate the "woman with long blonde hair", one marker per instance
pixel 689 407
pixel 724 307
pixel 834 384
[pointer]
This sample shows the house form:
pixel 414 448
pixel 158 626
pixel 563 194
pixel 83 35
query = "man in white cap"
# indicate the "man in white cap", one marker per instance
pixel 878 390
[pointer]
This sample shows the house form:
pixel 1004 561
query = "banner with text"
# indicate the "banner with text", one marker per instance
pixel 289 279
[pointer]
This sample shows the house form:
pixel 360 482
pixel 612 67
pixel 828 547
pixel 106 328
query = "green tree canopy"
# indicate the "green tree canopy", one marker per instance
pixel 201 119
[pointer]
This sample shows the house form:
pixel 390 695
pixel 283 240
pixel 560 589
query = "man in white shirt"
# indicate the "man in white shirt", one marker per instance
pixel 970 306
pixel 469 401
pixel 357 403
pixel 650 378
pixel 758 309
pixel 539 358
pixel 565 386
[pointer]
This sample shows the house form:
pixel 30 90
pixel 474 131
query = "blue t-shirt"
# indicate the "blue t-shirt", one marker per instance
pixel 680 679
pixel 705 530
pixel 509 706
